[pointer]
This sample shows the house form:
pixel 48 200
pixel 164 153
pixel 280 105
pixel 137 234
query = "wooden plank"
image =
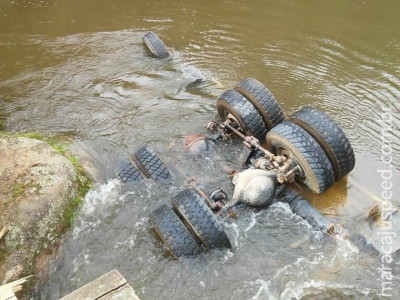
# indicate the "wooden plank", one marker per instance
pixel 99 287
pixel 126 292
pixel 3 232
pixel 7 290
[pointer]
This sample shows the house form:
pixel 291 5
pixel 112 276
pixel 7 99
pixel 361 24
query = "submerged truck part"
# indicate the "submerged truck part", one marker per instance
pixel 304 209
pixel 155 45
pixel 200 144
pixel 255 188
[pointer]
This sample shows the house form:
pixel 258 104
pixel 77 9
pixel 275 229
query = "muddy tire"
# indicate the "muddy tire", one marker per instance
pixel 290 138
pixel 155 45
pixel 127 172
pixel 263 101
pixel 249 119
pixel 329 136
pixel 173 232
pixel 151 165
pixel 198 217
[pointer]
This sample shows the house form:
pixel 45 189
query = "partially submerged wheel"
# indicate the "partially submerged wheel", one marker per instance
pixel 151 165
pixel 199 218
pixel 155 45
pixel 329 136
pixel 173 232
pixel 290 140
pixel 232 105
pixel 263 101
pixel 127 172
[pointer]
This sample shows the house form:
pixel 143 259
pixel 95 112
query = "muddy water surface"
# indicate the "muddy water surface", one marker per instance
pixel 79 69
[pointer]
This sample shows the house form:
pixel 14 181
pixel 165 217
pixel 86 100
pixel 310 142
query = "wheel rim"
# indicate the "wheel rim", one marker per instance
pixel 282 151
pixel 230 116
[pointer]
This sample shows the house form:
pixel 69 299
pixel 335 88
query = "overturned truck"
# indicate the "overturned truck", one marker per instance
pixel 308 147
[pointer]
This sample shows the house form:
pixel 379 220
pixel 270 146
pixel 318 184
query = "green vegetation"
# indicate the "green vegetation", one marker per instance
pixel 1 125
pixel 83 182
pixel 69 213
pixel 20 188
pixel 55 142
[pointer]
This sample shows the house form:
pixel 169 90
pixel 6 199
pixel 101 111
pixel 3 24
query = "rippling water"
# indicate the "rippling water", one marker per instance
pixel 79 69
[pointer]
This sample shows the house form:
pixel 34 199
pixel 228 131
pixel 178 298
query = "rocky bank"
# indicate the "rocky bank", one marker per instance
pixel 39 190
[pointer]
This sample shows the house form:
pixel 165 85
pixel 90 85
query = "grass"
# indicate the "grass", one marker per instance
pixel 54 142
pixel 69 213
pixel 20 188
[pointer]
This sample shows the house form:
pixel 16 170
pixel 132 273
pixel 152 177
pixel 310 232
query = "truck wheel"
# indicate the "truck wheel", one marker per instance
pixel 233 104
pixel 155 45
pixel 199 218
pixel 173 232
pixel 291 140
pixel 329 136
pixel 151 165
pixel 127 172
pixel 263 101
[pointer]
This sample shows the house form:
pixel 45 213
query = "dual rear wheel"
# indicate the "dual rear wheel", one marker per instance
pixel 189 227
pixel 144 163
pixel 310 137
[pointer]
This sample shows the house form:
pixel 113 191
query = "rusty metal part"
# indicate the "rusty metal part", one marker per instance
pixel 231 213
pixel 249 141
pixel 283 164
pixel 219 195
pixel 232 173
pixel 192 182
pixel 191 139
pixel 224 134
pixel 212 126
pixel 215 206
pixel 263 164
pixel 292 172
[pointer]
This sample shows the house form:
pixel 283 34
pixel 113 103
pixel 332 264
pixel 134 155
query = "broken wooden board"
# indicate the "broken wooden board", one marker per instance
pixel 109 286
pixel 7 291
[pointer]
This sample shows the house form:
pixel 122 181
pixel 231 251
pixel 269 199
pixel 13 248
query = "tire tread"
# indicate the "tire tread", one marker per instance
pixel 309 149
pixel 263 100
pixel 151 164
pixel 155 45
pixel 173 232
pixel 250 117
pixel 127 172
pixel 189 204
pixel 330 137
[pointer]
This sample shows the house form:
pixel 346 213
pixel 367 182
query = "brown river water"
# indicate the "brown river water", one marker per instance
pixel 79 69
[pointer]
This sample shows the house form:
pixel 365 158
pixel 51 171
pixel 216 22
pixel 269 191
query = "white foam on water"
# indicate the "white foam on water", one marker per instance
pixel 298 290
pixel 100 197
pixel 345 249
pixel 252 222
pixel 236 233
pixel 264 289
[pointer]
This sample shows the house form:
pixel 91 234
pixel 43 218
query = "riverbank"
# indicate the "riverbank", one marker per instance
pixel 41 187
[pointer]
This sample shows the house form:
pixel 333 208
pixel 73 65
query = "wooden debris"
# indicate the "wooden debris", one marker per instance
pixel 109 286
pixel 372 213
pixel 7 291
pixel 3 232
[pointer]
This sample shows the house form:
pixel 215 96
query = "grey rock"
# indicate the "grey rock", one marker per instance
pixel 36 185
